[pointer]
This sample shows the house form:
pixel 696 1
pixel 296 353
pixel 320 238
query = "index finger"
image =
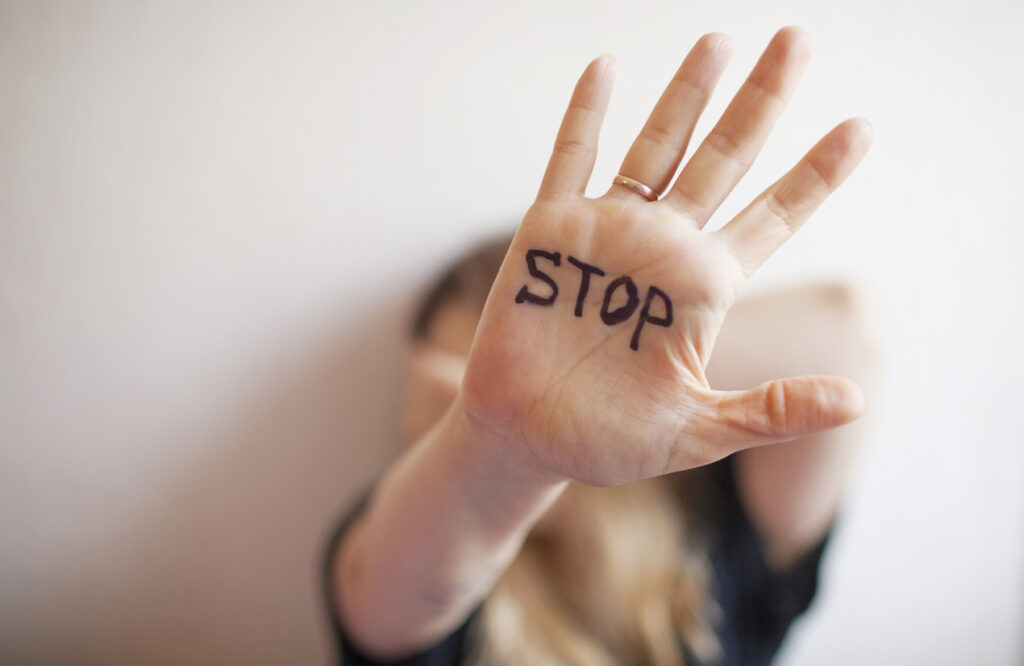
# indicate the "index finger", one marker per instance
pixel 572 159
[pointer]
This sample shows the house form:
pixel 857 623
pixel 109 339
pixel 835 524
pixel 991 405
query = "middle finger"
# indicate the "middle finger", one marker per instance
pixel 655 155
pixel 730 148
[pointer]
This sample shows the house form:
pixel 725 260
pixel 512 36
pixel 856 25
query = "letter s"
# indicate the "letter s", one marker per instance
pixel 531 264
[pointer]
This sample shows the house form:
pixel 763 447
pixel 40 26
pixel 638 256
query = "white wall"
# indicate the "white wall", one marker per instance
pixel 214 217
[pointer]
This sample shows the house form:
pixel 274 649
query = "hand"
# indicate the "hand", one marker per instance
pixel 589 359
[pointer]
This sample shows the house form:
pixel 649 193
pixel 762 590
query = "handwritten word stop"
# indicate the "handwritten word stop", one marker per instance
pixel 609 316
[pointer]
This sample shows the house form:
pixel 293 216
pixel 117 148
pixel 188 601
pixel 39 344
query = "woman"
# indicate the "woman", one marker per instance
pixel 548 516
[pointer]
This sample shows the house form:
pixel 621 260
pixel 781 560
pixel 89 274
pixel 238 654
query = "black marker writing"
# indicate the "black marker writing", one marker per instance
pixel 531 264
pixel 645 315
pixel 585 271
pixel 609 316
pixel 622 313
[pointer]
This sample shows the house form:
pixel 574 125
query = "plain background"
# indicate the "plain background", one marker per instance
pixel 215 216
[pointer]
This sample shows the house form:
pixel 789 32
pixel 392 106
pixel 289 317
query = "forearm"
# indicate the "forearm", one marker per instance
pixel 792 490
pixel 442 525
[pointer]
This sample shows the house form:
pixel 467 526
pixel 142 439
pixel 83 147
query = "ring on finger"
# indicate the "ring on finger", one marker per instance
pixel 636 186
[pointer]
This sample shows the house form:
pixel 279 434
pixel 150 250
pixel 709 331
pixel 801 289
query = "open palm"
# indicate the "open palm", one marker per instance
pixel 589 359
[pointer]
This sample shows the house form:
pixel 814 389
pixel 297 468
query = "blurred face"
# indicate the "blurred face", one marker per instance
pixel 436 367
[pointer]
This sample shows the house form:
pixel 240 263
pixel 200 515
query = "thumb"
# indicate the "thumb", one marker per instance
pixel 783 409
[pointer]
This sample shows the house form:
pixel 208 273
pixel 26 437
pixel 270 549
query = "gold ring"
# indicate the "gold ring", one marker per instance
pixel 636 186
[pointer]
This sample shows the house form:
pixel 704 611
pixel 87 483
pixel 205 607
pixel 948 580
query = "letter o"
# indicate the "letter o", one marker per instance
pixel 624 312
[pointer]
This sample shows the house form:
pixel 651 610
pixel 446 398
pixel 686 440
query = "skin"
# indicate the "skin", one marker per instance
pixel 547 398
pixel 790 490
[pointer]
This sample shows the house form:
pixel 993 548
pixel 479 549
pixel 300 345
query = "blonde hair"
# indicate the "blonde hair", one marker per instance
pixel 614 582
pixel 617 580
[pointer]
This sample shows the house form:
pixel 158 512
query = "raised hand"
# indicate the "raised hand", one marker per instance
pixel 589 360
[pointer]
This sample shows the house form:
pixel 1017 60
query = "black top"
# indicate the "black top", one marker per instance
pixel 758 605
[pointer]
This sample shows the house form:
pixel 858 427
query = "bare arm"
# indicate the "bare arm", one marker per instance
pixel 443 524
pixel 792 490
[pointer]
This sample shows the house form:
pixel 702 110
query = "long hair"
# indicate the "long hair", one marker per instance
pixel 610 576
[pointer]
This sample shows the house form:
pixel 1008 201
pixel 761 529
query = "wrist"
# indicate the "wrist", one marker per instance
pixel 493 470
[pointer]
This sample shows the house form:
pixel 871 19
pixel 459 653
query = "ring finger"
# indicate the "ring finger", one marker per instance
pixel 656 153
